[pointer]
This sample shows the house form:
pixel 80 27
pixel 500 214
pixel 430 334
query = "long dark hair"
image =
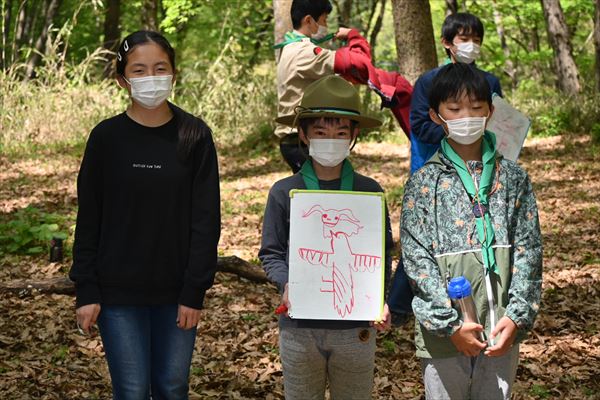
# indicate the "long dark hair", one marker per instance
pixel 190 129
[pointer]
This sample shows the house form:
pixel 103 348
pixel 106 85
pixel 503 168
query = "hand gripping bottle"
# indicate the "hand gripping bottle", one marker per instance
pixel 459 290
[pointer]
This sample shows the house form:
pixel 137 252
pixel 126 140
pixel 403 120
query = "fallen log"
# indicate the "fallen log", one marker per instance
pixel 63 285
pixel 240 267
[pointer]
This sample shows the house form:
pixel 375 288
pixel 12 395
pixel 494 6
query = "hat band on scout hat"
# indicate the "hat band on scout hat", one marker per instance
pixel 340 112
pixel 330 97
pixel 332 109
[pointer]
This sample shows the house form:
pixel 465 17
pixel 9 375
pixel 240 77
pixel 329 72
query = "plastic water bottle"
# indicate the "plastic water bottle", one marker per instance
pixel 459 290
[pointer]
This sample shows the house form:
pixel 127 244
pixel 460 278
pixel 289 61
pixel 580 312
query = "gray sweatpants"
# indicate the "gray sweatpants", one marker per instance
pixel 311 357
pixel 475 378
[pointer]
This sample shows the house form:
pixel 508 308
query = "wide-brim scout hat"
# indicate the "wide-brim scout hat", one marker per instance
pixel 331 96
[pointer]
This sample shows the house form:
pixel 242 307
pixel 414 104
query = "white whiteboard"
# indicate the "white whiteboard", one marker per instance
pixel 510 126
pixel 337 255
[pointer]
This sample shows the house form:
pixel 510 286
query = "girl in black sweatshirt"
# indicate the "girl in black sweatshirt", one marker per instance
pixel 148 225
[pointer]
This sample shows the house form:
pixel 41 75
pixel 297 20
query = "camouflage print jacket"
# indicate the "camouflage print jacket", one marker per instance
pixel 439 242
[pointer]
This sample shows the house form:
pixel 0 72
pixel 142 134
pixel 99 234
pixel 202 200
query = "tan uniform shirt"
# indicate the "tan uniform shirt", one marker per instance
pixel 299 66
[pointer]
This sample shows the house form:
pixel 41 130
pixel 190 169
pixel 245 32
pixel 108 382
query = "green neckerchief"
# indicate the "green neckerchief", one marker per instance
pixel 485 229
pixel 293 37
pixel 312 182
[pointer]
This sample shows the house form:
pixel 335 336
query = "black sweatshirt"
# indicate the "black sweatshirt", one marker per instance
pixel 148 225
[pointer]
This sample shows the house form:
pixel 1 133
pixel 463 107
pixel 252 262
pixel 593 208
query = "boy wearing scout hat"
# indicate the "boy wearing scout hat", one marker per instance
pixel 314 352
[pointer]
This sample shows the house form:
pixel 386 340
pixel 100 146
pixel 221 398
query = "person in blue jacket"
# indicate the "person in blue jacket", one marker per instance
pixel 462 36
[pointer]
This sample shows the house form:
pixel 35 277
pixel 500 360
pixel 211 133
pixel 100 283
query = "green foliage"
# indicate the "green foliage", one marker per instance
pixel 201 29
pixel 60 354
pixel 62 104
pixel 552 113
pixel 389 346
pixel 226 68
pixel 394 196
pixel 249 317
pixel 30 231
pixel 540 391
pixel 236 102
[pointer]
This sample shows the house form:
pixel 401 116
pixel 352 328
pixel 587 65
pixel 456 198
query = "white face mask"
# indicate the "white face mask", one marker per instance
pixel 151 91
pixel 329 152
pixel 321 32
pixel 465 130
pixel 467 52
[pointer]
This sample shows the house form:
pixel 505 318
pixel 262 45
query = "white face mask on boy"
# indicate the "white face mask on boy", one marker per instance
pixel 465 130
pixel 329 152
pixel 151 91
pixel 321 31
pixel 467 52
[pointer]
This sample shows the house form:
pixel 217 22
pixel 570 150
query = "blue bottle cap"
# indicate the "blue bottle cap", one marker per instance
pixel 459 287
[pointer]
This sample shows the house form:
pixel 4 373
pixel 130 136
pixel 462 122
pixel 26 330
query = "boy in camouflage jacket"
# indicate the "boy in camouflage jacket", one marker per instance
pixel 470 212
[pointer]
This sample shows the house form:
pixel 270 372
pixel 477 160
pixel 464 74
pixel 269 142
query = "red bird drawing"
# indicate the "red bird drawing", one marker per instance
pixel 339 225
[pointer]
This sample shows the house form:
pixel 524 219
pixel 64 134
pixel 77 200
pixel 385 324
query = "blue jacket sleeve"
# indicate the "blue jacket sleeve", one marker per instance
pixel 494 83
pixel 422 127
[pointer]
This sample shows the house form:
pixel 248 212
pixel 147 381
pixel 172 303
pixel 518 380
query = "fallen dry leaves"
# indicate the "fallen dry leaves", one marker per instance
pixel 43 357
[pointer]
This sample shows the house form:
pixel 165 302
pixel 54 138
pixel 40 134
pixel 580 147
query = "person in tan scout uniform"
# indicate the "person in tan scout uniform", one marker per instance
pixel 302 61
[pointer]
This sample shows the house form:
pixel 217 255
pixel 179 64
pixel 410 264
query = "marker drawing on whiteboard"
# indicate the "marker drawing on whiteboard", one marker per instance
pixel 339 225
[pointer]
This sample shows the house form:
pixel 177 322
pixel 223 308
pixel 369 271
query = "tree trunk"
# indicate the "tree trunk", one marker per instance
pixel 344 9
pixel 63 285
pixel 150 15
pixel 558 34
pixel 40 44
pixel 283 21
pixel 376 30
pixel 509 67
pixel 20 23
pixel 32 21
pixel 415 45
pixel 258 39
pixel 6 6
pixel 597 42
pixel 372 8
pixel 112 33
pixel 451 7
pixel 534 45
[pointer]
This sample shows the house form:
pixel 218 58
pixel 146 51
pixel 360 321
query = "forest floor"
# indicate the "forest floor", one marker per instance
pixel 42 356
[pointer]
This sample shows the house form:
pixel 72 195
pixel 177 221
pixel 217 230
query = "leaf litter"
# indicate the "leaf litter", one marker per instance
pixel 42 356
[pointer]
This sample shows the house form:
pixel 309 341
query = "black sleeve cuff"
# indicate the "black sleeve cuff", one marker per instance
pixel 88 293
pixel 192 297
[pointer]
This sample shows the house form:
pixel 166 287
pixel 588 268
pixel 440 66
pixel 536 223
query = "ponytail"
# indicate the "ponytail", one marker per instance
pixel 190 131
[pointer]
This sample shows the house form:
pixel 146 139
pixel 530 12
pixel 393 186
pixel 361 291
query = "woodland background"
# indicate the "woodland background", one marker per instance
pixel 55 85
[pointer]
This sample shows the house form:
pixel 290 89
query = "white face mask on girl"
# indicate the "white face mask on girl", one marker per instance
pixel 329 152
pixel 151 91
pixel 465 130
pixel 467 52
